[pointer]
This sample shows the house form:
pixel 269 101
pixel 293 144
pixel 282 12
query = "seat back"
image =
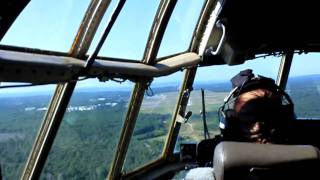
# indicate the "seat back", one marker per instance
pixel 240 160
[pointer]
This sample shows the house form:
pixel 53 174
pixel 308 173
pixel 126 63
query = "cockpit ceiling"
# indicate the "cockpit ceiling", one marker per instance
pixel 246 29
pixel 266 26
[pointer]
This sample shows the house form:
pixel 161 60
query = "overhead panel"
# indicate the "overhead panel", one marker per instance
pixel 244 29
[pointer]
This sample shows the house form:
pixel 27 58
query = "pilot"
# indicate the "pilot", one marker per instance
pixel 257 110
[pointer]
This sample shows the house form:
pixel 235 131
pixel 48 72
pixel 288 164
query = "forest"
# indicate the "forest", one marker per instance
pixel 89 133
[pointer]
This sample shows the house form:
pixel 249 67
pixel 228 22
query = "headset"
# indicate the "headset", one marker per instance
pixel 230 121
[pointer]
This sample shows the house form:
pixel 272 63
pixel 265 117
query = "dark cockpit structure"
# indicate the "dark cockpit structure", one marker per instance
pixel 105 89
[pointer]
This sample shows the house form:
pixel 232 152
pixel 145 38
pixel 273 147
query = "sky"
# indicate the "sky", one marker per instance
pixel 52 25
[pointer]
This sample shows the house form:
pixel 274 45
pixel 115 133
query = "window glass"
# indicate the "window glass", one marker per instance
pixel 86 140
pixel 180 28
pixel 153 122
pixel 215 81
pixel 49 25
pixel 102 26
pixel 21 113
pixel 129 34
pixel 304 85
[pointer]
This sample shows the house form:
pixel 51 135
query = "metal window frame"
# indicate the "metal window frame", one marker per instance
pixel 63 92
pixel 188 81
pixel 38 69
pixel 80 46
pixel 163 15
pixel 167 152
pixel 284 69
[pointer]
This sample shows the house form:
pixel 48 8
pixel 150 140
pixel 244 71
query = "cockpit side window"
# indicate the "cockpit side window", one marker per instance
pixel 304 85
pixel 48 25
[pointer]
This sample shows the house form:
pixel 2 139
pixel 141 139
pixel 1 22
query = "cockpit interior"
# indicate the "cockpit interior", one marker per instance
pixel 125 89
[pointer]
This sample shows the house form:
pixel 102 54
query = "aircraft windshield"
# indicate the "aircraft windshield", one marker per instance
pixel 48 25
pixel 153 122
pixel 21 113
pixel 89 132
pixel 129 35
pixel 121 113
pixel 94 117
pixel 181 26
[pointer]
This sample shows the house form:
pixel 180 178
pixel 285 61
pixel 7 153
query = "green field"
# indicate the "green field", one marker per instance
pixel 165 102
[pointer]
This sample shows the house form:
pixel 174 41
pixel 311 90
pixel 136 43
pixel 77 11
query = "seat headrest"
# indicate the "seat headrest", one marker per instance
pixel 231 155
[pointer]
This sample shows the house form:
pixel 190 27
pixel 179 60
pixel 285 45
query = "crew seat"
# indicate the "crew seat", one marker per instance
pixel 241 160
